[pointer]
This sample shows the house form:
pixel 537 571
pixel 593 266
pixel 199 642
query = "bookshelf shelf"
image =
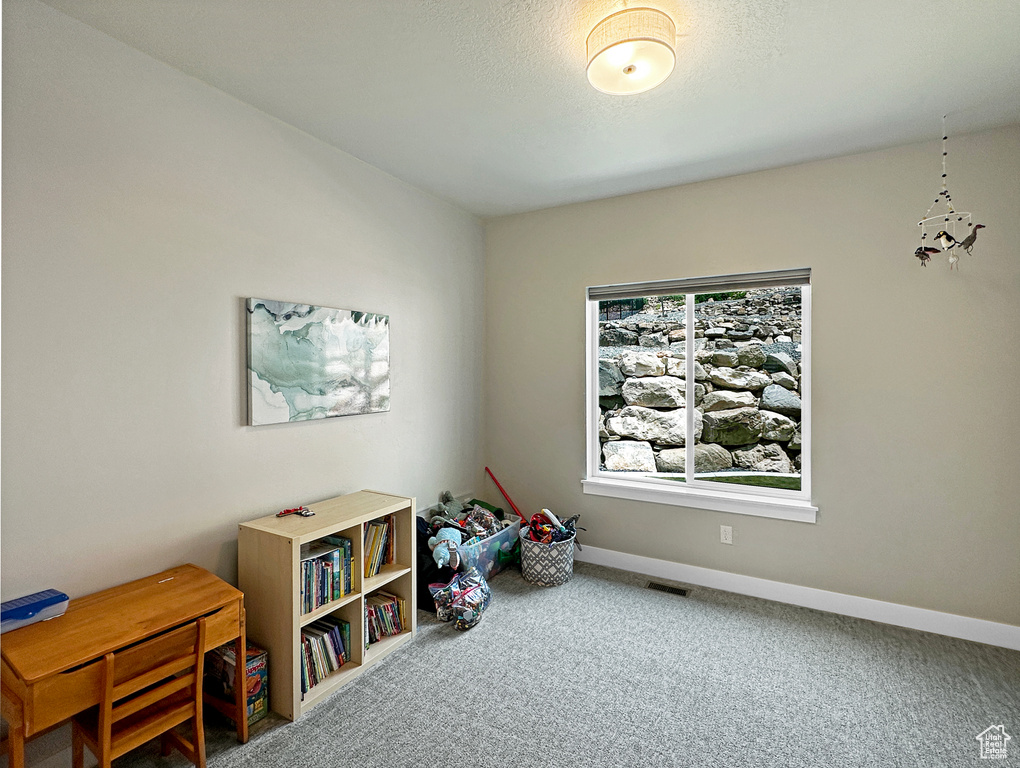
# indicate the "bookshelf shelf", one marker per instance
pixel 381 648
pixel 335 681
pixel 386 574
pixel 270 551
pixel 328 608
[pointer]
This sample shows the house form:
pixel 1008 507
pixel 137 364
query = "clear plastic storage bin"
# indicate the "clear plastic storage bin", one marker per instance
pixel 492 555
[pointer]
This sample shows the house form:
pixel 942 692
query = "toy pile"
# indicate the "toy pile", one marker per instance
pixel 453 530
pixel 474 520
pixel 545 528
pixel 463 599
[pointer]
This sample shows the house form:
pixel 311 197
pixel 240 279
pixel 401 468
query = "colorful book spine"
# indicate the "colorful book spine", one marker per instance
pixel 325 572
pixel 325 645
pixel 371 533
pixel 385 616
pixel 342 565
pixel 379 544
pixel 391 554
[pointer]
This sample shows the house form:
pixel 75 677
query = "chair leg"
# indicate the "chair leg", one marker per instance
pixel 199 734
pixel 77 748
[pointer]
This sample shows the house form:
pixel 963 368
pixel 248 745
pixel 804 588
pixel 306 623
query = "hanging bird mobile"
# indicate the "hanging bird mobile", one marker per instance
pixel 946 222
pixel 968 242
pixel 924 254
pixel 946 240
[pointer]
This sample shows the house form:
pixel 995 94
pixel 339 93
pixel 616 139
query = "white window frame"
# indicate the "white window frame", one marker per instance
pixel 702 494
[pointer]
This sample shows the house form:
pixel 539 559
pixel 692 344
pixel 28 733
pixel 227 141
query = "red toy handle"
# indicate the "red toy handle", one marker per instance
pixel 302 511
pixel 508 499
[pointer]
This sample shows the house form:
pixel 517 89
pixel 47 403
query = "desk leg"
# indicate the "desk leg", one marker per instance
pixel 16 747
pixel 241 691
pixel 11 708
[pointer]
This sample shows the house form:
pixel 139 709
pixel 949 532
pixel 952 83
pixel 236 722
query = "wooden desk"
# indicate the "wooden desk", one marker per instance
pixel 50 671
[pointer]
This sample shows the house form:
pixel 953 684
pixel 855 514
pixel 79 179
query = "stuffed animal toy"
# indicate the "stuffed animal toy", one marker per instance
pixel 450 506
pixel 444 547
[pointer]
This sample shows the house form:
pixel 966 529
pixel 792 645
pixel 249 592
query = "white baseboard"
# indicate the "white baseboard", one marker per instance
pixel 963 627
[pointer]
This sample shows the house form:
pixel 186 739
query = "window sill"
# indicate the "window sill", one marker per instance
pixel 738 503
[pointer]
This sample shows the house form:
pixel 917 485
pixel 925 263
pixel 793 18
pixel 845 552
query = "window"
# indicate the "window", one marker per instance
pixel 723 360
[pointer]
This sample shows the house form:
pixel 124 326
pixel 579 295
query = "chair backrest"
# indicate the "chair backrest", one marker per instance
pixel 142 675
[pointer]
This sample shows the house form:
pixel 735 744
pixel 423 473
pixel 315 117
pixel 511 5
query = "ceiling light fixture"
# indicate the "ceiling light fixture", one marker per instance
pixel 631 51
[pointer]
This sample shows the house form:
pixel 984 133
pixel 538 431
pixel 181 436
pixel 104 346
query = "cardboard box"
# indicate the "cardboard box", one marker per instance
pixel 219 678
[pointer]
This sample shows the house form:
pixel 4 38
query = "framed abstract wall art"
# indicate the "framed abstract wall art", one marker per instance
pixel 307 362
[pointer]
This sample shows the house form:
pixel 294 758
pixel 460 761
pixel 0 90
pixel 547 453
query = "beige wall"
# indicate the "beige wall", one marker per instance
pixel 140 208
pixel 914 378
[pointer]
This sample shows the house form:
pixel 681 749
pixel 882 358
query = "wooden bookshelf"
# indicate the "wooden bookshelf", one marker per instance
pixel 269 574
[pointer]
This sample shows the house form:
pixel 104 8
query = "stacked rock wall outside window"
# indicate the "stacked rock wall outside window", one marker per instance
pixel 746 394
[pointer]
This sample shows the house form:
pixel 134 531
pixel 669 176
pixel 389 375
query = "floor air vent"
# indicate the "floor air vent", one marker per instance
pixel 667 588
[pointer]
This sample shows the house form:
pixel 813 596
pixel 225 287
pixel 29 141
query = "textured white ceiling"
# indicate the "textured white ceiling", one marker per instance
pixel 485 102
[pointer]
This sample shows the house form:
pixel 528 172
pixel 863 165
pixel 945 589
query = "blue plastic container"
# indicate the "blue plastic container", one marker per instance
pixel 29 609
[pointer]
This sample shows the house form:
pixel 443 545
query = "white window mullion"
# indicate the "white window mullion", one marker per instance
pixel 805 391
pixel 689 388
pixel 592 386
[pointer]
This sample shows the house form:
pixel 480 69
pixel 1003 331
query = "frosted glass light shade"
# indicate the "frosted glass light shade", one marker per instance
pixel 631 51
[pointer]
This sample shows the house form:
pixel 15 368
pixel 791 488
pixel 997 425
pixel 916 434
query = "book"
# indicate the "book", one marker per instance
pixel 385 616
pixel 379 544
pixel 371 535
pixel 320 665
pixel 342 563
pixel 325 645
pixel 377 556
pixel 375 535
pixel 323 566
pixel 316 549
pixel 307 680
pixel 337 637
pixel 391 554
pixel 325 653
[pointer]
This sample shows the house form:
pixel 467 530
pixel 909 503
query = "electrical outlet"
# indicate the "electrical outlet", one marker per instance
pixel 726 534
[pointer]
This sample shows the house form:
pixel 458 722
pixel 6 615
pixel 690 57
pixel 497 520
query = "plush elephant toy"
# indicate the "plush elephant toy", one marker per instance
pixel 444 547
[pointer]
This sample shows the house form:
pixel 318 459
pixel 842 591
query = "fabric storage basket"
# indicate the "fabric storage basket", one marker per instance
pixel 546 565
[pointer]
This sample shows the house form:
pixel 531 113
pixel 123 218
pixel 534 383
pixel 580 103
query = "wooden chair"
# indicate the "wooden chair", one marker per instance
pixel 148 689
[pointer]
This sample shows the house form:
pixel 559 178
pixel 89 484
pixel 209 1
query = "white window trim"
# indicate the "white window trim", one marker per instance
pixel 700 494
